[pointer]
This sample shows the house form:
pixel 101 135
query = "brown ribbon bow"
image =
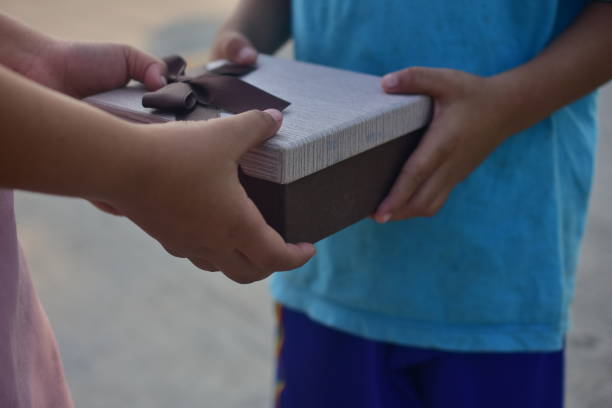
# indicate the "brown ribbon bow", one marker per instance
pixel 201 97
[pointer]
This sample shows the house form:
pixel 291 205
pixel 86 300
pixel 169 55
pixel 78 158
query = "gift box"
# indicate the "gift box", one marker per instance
pixel 342 143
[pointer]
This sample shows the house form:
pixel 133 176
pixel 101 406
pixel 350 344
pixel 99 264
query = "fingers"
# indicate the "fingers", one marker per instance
pixel 435 82
pixel 411 176
pixel 267 250
pixel 236 48
pixel 240 269
pixel 244 269
pixel 107 208
pixel 427 178
pixel 204 264
pixel 247 130
pixel 427 200
pixel 418 170
pixel 144 67
pixel 201 260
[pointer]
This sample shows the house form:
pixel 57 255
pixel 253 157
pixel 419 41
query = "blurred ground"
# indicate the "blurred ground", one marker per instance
pixel 138 328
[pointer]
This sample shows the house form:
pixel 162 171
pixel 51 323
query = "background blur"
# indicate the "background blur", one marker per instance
pixel 138 328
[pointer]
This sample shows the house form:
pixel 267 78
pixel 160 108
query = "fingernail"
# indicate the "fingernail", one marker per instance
pixel 275 114
pixel 246 54
pixel 163 80
pixel 384 218
pixel 312 249
pixel 390 81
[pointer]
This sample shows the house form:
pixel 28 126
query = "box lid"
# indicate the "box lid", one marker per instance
pixel 334 115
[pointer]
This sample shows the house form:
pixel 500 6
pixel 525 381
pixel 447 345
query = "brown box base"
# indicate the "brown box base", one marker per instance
pixel 325 202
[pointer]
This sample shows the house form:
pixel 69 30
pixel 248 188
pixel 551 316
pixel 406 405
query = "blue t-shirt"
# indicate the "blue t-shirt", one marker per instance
pixel 494 269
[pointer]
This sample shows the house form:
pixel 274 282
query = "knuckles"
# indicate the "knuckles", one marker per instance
pixel 174 252
pixel 253 122
pixel 447 148
pixel 262 119
pixel 267 261
pixel 418 210
pixel 429 212
pixel 424 211
pixel 411 76
pixel 244 279
pixel 414 172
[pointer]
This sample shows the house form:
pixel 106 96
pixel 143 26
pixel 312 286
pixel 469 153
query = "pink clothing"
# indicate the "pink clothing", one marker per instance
pixel 31 373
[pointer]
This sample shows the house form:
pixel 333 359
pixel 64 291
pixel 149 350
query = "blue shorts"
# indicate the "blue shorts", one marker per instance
pixel 321 367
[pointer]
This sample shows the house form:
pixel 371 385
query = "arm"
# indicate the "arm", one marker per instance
pixel 262 25
pixel 54 144
pixel 22 47
pixel 75 68
pixel 177 181
pixel 473 115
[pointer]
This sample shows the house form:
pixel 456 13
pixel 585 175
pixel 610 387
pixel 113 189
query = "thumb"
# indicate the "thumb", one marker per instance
pixel 247 130
pixel 434 82
pixel 144 68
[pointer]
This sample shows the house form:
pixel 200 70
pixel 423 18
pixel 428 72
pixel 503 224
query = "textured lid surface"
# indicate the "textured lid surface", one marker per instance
pixel 334 115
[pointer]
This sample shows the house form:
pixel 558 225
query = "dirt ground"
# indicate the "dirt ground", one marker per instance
pixel 140 329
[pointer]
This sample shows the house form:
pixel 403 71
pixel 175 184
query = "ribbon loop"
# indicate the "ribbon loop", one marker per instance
pixel 174 97
pixel 219 88
pixel 176 67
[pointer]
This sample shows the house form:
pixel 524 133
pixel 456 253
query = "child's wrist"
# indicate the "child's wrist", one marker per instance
pixel 525 97
pixel 127 168
pixel 510 106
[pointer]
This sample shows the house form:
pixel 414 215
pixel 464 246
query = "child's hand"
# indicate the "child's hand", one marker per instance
pixel 75 68
pixel 470 119
pixel 184 191
pixel 235 47
pixel 80 69
pixel 177 181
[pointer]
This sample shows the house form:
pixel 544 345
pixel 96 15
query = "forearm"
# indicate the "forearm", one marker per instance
pixel 20 45
pixel 51 143
pixel 267 23
pixel 576 63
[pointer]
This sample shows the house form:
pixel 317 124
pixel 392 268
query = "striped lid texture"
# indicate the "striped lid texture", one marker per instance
pixel 334 115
